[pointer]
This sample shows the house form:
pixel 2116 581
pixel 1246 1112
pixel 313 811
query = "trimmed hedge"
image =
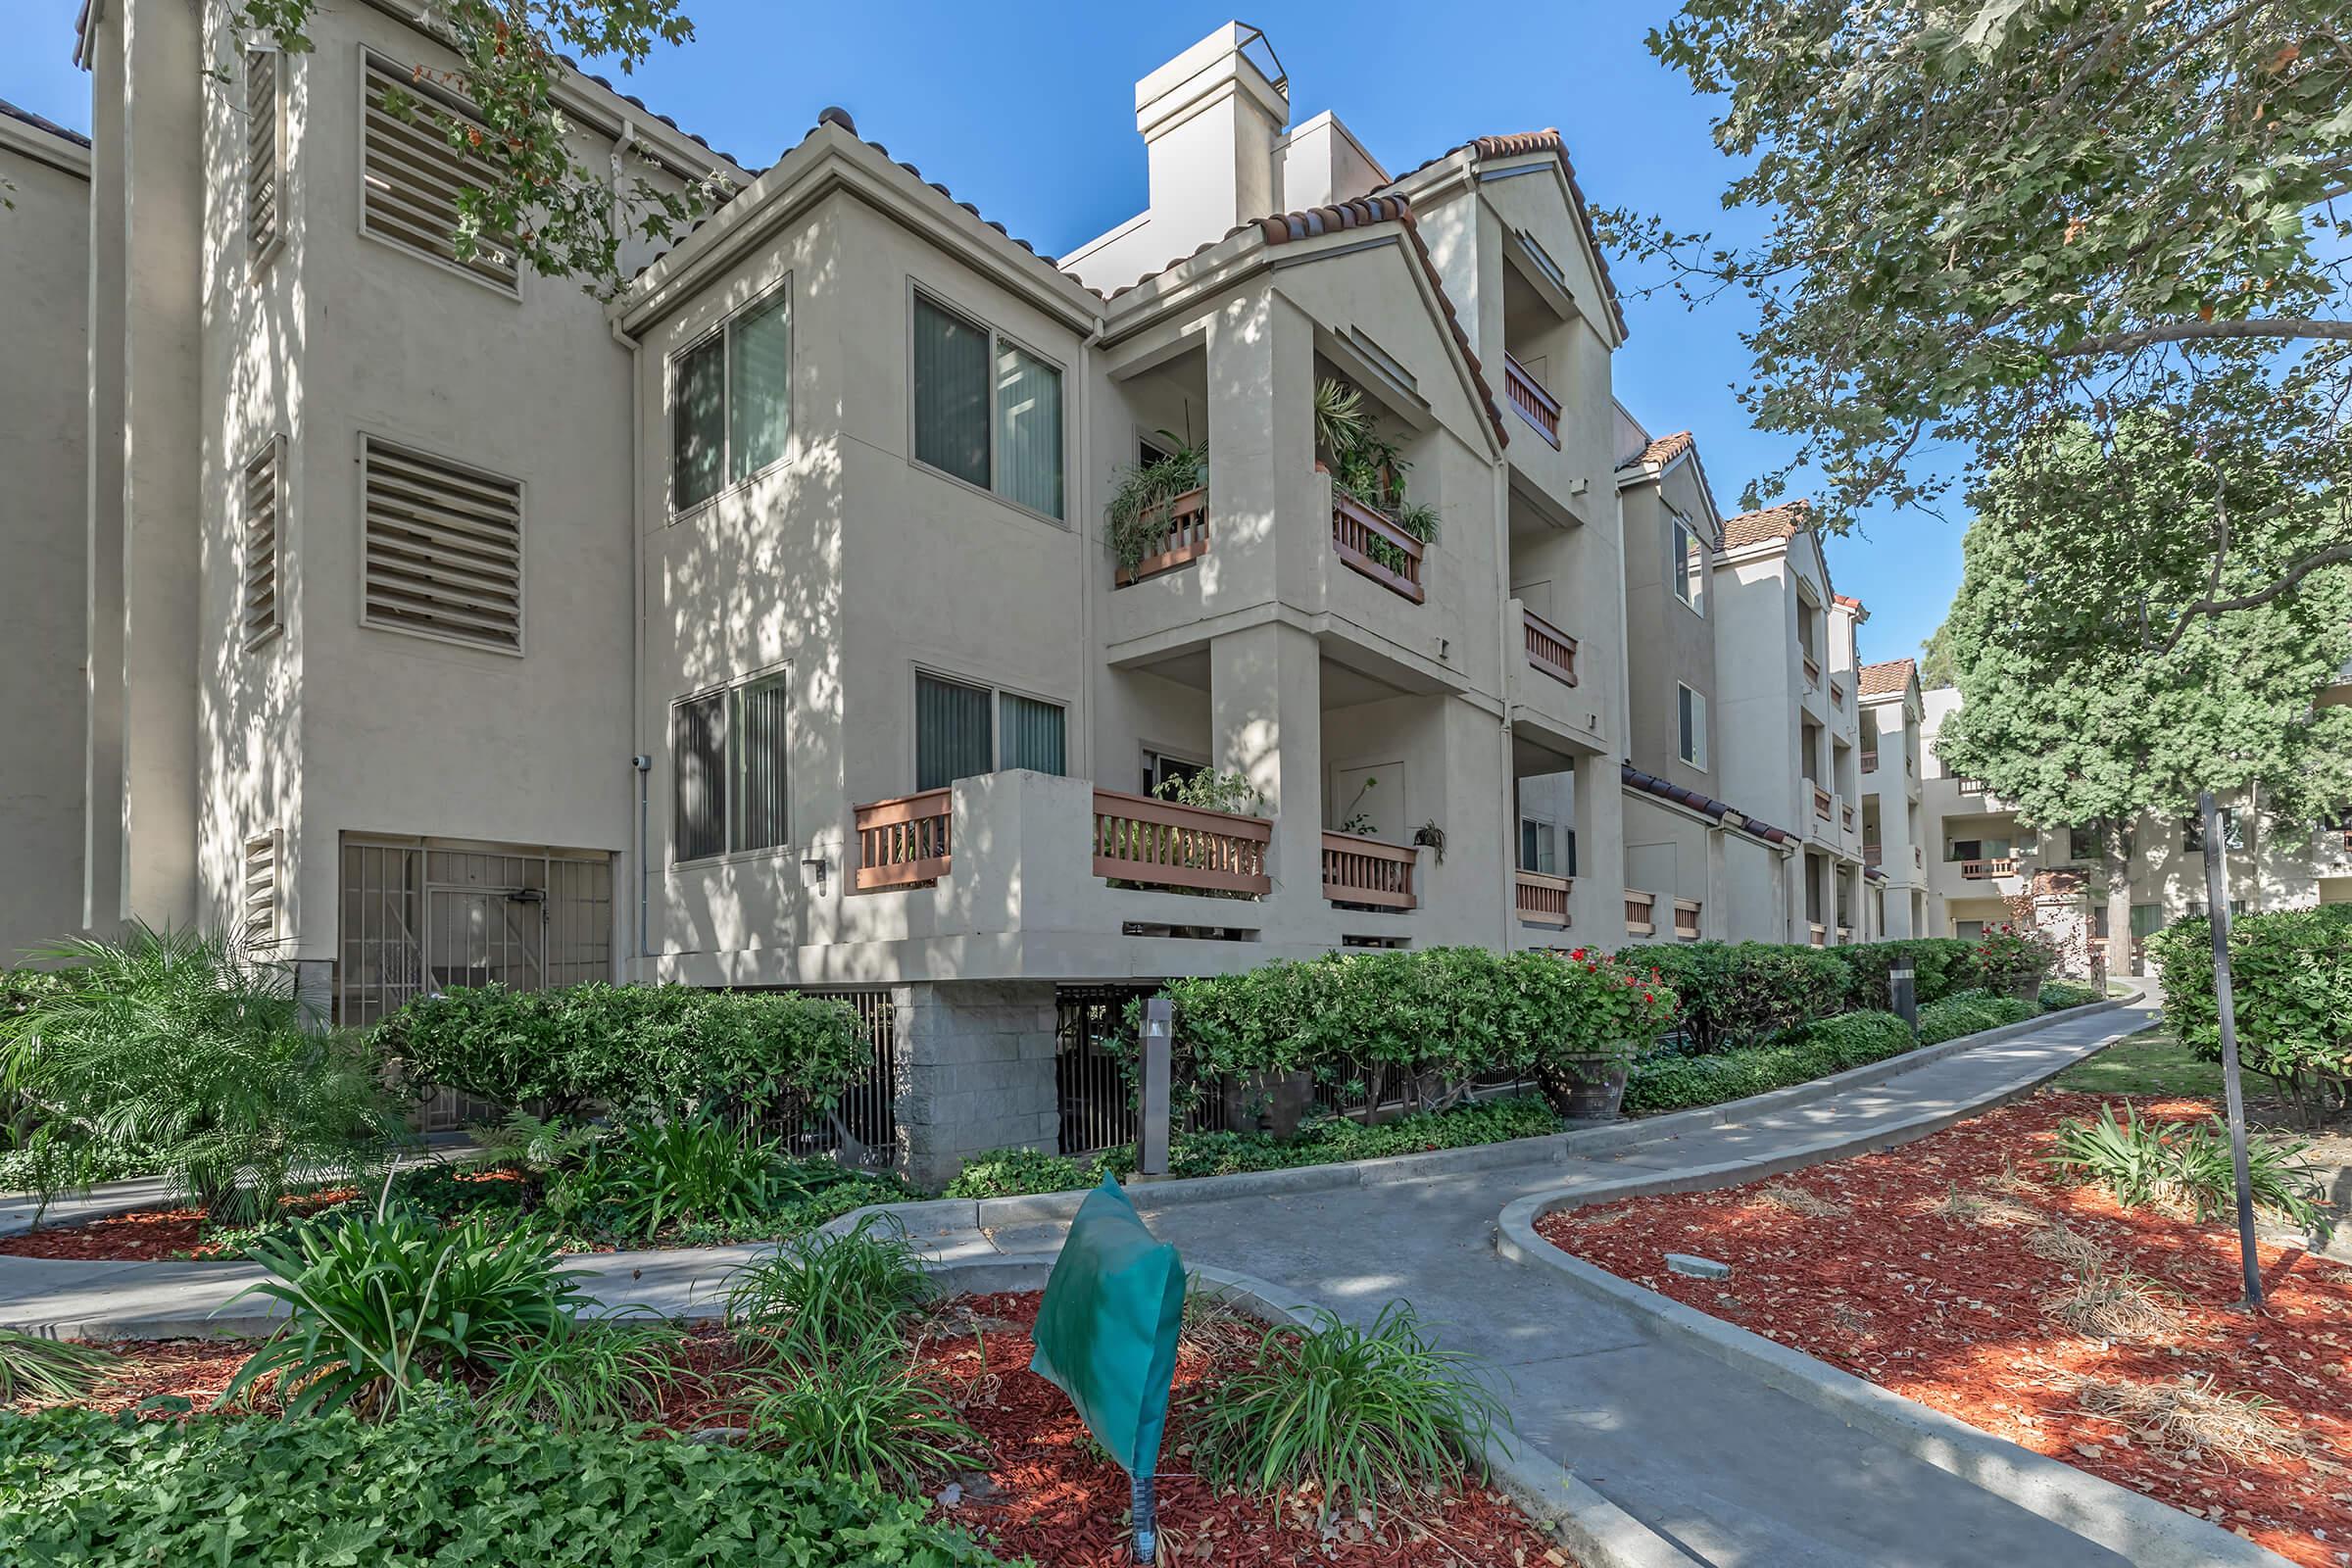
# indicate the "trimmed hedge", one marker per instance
pixel 639 1050
pixel 1011 1172
pixel 2291 977
pixel 1668 1082
pixel 1966 1013
pixel 2058 994
pixel 1740 994
pixel 80 1488
pixel 1940 965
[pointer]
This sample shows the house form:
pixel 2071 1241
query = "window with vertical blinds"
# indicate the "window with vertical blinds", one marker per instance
pixel 260 530
pixel 986 409
pixel 1032 732
pixel 731 402
pixel 264 121
pixel 953 726
pixel 698 748
pixel 762 764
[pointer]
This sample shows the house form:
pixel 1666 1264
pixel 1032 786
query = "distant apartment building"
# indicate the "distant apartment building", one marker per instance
pixel 1894 821
pixel 762 629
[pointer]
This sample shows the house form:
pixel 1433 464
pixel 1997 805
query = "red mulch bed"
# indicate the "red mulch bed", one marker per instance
pixel 1949 1310
pixel 149 1233
pixel 1049 1493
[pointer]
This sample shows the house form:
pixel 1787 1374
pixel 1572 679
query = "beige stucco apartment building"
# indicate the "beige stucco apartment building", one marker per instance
pixel 448 625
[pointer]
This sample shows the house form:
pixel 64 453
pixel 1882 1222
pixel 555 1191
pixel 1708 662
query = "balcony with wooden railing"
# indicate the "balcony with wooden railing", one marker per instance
pixel 1685 919
pixel 1548 648
pixel 1821 800
pixel 1365 873
pixel 1543 900
pixel 1180 537
pixel 1846 810
pixel 1812 667
pixel 1869 761
pixel 1640 912
pixel 1159 844
pixel 1872 854
pixel 1818 934
pixel 1836 691
pixel 1376 547
pixel 904 843
pixel 1845 935
pixel 1986 870
pixel 1537 407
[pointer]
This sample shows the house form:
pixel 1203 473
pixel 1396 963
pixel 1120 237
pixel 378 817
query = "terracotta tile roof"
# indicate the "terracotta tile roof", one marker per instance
pixel 27 116
pixel 1877 680
pixel 1773 522
pixel 635 102
pixel 1706 805
pixel 1664 450
pixel 1851 603
pixel 1284 227
pixel 1548 140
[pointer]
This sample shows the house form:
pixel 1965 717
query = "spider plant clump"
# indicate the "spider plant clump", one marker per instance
pixel 858 1410
pixel 2188 1164
pixel 819 1292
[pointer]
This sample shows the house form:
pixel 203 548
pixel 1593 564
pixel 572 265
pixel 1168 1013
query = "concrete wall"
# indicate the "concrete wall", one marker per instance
pixel 1668 642
pixel 44 427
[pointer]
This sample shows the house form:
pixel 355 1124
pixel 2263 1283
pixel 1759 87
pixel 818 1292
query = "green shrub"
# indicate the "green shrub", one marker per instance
pixel 858 1410
pixel 1966 1013
pixel 1361 1415
pixel 585 1377
pixel 1669 1081
pixel 385 1305
pixel 644 1051
pixel 1940 965
pixel 1450 1013
pixel 105 1492
pixel 1740 994
pixel 188 1048
pixel 2057 995
pixel 31 1366
pixel 2291 982
pixel 694 1168
pixel 1018 1172
pixel 821 1293
pixel 2145 1162
pixel 2009 958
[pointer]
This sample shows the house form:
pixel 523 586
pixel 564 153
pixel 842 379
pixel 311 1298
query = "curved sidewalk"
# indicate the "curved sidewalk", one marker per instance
pixel 1729 1469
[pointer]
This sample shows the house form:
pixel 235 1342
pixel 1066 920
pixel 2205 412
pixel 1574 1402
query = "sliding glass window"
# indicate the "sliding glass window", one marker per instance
pixel 986 409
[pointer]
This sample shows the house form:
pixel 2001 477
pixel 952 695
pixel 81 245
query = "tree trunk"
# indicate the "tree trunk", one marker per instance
pixel 2119 896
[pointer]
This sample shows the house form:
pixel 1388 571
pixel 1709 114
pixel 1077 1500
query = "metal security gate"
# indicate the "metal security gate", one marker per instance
pixel 420 915
pixel 862 1127
pixel 1089 1078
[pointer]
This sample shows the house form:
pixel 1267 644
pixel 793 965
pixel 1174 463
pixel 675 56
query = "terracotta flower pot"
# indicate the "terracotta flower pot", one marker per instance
pixel 1587 1085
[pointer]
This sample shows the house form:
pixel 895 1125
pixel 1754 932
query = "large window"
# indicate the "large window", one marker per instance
pixel 1538 845
pixel 986 409
pixel 962 730
pixel 1687 563
pixel 1690 726
pixel 730 770
pixel 731 401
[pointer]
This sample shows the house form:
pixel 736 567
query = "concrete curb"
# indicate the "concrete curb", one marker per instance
pixel 1599 1533
pixel 2149 1533
pixel 964 1216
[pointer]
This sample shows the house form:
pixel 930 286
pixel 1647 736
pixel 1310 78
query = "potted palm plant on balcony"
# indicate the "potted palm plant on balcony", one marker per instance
pixel 1369 465
pixel 1139 508
pixel 1603 1009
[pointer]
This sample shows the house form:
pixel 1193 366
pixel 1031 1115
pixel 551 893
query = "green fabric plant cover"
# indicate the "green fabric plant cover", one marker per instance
pixel 1106 1330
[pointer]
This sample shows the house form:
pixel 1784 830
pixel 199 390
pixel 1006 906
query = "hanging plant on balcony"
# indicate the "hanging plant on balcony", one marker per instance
pixel 1370 466
pixel 1139 507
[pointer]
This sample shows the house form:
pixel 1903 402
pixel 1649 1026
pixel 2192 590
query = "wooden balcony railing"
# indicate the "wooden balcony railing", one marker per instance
pixel 1536 406
pixel 1359 536
pixel 1821 800
pixel 1550 649
pixel 1544 900
pixel 1869 761
pixel 1184 539
pixel 1846 810
pixel 1871 854
pixel 1160 844
pixel 1986 870
pixel 1685 919
pixel 1812 671
pixel 1837 694
pixel 1919 857
pixel 1845 935
pixel 902 842
pixel 1820 934
pixel 1969 786
pixel 1358 870
pixel 1641 912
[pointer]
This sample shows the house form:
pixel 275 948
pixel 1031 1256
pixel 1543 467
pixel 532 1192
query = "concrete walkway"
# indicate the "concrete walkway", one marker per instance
pixel 1735 1473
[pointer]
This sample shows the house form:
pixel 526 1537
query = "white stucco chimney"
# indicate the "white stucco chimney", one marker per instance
pixel 1210 118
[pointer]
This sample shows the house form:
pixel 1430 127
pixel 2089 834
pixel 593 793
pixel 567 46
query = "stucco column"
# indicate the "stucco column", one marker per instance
pixel 1265 701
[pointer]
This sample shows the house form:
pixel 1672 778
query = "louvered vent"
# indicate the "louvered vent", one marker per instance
pixel 258 914
pixel 444 551
pixel 413 176
pixel 262 528
pixel 263 117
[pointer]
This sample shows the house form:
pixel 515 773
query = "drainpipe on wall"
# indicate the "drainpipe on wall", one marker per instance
pixel 642 762
pixel 1502 683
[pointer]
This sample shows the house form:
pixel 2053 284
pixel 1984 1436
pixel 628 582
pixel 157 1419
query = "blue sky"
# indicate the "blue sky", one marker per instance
pixel 1028 113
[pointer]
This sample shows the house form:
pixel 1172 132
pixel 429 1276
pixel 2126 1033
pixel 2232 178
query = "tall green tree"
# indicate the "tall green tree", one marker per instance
pixel 2086 699
pixel 563 208
pixel 1936 660
pixel 1963 218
